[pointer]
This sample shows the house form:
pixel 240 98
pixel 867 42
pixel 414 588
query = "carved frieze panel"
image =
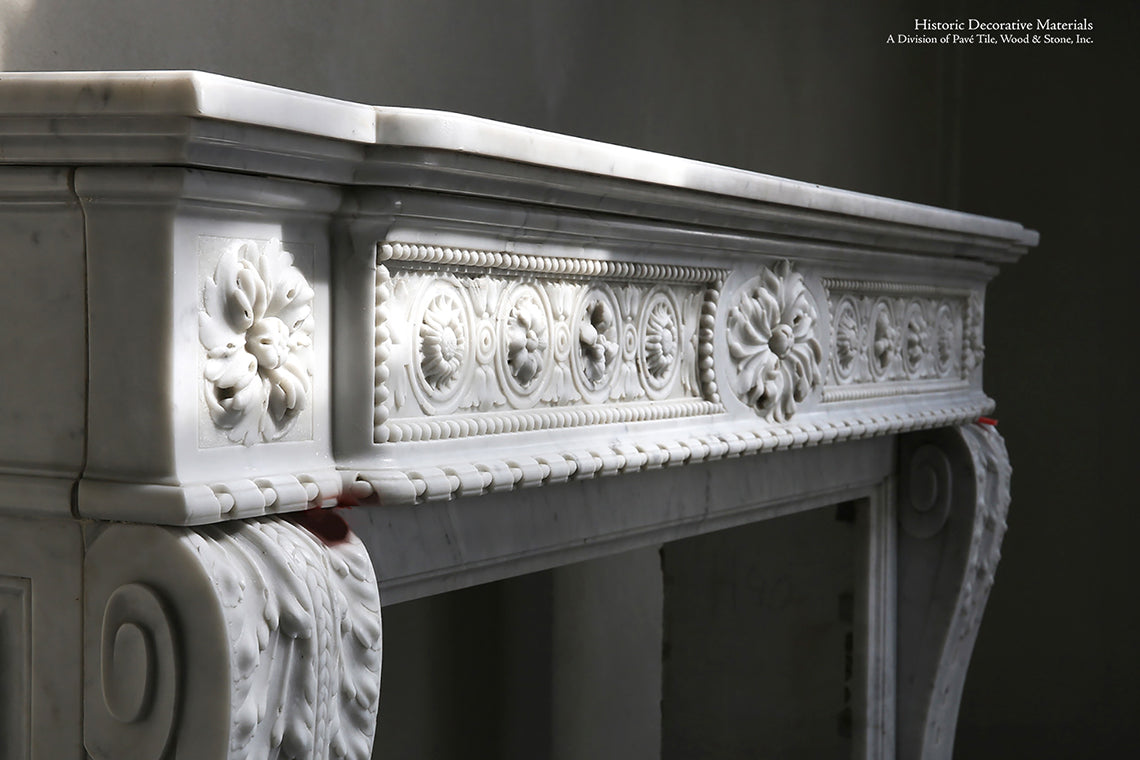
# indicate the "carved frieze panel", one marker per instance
pixel 889 338
pixel 474 342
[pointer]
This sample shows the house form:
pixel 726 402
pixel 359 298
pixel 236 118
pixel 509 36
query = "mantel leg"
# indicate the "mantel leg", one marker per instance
pixel 953 499
pixel 251 639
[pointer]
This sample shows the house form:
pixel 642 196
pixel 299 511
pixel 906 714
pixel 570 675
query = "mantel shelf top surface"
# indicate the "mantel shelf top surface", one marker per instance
pixel 126 102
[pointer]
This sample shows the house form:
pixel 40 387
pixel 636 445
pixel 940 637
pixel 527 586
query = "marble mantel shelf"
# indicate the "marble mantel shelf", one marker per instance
pixel 224 302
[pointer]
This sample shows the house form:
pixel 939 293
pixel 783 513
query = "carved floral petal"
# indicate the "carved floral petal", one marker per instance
pixel 246 297
pixel 526 340
pixel 288 390
pixel 292 300
pixel 231 368
pixel 238 412
pixel 771 339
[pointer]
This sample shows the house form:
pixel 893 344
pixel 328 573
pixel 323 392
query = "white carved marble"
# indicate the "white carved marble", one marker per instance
pixel 247 639
pixel 225 303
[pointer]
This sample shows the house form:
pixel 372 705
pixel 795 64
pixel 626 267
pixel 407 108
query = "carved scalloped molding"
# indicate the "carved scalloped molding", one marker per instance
pixel 209 502
pixel 892 338
pixel 249 639
pixel 429 483
pixel 471 342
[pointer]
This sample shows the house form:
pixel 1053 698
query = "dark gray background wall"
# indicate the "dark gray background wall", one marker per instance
pixel 1047 139
pixel 809 90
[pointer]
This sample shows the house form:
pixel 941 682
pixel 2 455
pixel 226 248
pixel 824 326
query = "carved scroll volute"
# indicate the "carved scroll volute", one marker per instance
pixel 953 499
pixel 241 640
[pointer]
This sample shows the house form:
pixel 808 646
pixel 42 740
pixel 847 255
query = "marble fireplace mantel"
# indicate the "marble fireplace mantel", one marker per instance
pixel 226 306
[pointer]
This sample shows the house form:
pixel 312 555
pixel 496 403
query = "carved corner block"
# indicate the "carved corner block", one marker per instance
pixel 247 639
pixel 209 345
pixel 953 497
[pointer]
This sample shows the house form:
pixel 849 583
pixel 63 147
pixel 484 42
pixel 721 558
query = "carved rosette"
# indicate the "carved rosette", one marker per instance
pixel 772 343
pixel 659 359
pixel 256 326
pixel 945 339
pixel 240 640
pixel 442 337
pixel 443 343
pixel 848 336
pixel 597 333
pixel 885 339
pixel 918 338
pixel 527 351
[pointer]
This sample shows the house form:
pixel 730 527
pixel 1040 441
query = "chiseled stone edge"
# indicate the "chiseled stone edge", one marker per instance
pixel 433 483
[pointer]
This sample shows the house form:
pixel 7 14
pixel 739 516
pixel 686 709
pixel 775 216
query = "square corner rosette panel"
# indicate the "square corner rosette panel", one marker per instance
pixel 256 331
pixel 477 342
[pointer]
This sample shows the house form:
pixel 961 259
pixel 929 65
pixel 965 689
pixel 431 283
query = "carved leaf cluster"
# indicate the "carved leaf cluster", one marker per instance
pixel 303 619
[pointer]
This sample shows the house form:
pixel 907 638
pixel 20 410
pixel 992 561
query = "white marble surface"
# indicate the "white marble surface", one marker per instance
pixel 217 98
pixel 181 93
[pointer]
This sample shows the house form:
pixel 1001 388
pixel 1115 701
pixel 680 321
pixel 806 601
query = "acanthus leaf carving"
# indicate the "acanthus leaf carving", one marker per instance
pixel 277 623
